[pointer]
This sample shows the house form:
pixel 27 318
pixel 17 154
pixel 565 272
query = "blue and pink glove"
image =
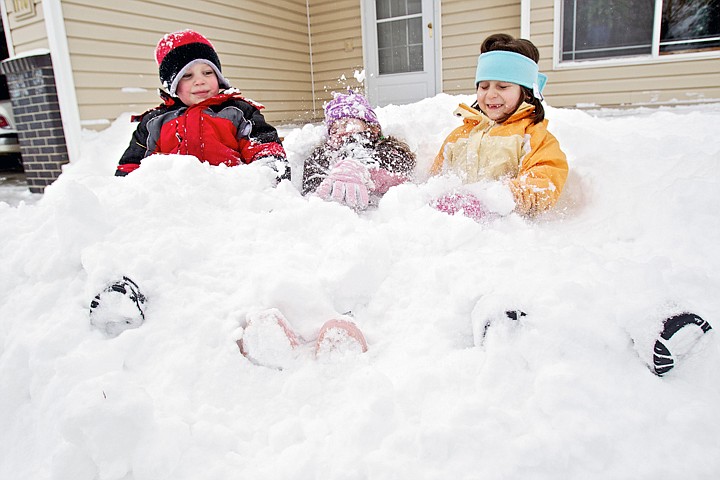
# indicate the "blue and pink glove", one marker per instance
pixel 464 203
pixel 347 183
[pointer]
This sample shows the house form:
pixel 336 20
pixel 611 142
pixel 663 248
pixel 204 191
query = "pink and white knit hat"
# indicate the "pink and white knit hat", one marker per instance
pixel 349 105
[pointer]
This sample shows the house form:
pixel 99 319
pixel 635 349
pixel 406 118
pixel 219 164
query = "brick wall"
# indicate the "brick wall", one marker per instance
pixel 31 83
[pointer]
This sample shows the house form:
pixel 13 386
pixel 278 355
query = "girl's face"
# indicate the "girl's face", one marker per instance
pixel 498 100
pixel 197 84
pixel 348 129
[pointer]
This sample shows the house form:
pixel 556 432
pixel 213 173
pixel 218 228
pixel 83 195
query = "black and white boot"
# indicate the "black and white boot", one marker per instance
pixel 492 313
pixel 679 339
pixel 119 307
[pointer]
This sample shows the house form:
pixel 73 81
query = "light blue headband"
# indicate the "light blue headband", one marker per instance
pixel 510 67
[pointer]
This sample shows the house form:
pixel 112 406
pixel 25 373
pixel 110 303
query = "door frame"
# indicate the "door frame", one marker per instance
pixel 370 59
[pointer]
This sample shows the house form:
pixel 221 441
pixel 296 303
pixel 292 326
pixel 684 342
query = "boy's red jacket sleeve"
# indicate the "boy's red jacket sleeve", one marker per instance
pixel 263 140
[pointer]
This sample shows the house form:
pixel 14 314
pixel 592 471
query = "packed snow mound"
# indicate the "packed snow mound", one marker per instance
pixel 564 392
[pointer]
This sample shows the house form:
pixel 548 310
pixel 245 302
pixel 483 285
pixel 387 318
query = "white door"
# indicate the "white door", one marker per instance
pixel 400 41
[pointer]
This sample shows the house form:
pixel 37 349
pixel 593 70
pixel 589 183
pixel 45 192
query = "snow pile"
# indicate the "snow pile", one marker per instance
pixel 563 393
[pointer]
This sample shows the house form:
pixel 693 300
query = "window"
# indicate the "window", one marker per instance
pixel 399 34
pixel 601 29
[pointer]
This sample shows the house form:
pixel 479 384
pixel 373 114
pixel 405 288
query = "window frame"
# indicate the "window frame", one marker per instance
pixel 653 58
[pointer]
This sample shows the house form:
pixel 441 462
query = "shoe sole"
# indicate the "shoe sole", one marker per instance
pixel 663 359
pixel 267 321
pixel 346 326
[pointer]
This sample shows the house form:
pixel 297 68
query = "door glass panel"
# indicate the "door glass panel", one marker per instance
pixel 415 58
pixel 398 8
pixel 414 6
pixel 384 32
pixel 415 31
pixel 382 10
pixel 399 35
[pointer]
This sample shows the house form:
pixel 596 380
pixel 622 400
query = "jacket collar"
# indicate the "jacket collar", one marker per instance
pixel 472 115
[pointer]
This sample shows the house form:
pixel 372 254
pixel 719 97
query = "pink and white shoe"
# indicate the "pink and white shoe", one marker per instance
pixel 269 340
pixel 339 337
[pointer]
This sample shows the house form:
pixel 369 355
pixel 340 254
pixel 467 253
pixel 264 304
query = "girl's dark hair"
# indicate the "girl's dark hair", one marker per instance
pixel 503 41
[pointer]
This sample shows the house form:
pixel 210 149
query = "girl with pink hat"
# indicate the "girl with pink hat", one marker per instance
pixel 356 164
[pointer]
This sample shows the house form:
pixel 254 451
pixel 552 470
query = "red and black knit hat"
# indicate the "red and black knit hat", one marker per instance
pixel 178 51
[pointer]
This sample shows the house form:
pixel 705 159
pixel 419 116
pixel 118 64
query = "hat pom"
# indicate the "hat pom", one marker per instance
pixel 349 105
pixel 171 41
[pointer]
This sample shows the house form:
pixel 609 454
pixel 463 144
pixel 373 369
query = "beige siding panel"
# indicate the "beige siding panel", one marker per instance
pixel 335 52
pixel 465 24
pixel 348 30
pixel 324 87
pixel 336 36
pixel 113 86
pixel 461 33
pixel 336 32
pixel 332 58
pixel 627 85
pixel 265 92
pixel 98 97
pixel 542 14
pixel 463 7
pixel 39 44
pixel 666 83
pixel 110 41
pixel 85 63
pixel 679 70
pixel 544 30
pixel 629 99
pixel 98 112
pixel 336 80
pixel 318 8
pixel 218 29
pixel 253 16
pixel 504 10
pixel 542 27
pixel 263 47
pixel 325 11
pixel 27 33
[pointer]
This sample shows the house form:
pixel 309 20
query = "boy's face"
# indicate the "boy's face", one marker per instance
pixel 498 100
pixel 197 84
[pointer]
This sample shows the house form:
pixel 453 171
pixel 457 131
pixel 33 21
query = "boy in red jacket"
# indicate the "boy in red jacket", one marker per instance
pixel 201 115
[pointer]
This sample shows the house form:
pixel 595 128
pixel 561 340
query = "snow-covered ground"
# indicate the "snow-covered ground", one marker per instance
pixel 564 394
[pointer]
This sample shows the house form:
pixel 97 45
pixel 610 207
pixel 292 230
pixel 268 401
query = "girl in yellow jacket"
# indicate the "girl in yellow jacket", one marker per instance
pixel 504 134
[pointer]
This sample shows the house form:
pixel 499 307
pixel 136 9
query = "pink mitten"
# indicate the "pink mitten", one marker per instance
pixel 347 183
pixel 384 179
pixel 465 203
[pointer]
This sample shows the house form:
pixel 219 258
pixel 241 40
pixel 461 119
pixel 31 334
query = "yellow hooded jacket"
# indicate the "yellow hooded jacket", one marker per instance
pixel 526 154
